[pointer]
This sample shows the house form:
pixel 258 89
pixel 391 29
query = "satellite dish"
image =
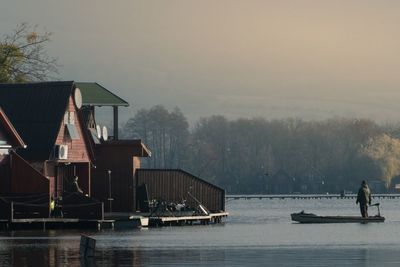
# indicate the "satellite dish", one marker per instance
pixel 105 133
pixel 78 98
pixel 98 130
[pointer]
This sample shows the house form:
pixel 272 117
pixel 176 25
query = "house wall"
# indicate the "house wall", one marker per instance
pixel 3 135
pixel 5 174
pixel 120 160
pixel 77 149
pixel 78 156
pixel 26 179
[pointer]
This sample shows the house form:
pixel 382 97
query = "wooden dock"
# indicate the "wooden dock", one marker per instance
pixel 187 220
pixel 311 196
pixel 55 223
pixel 127 220
pixel 111 221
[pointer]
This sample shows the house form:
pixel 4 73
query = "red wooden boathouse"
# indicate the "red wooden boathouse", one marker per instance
pixel 45 115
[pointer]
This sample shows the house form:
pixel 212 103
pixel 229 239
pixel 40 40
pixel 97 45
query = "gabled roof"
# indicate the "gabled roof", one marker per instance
pixel 36 110
pixel 93 94
pixel 9 128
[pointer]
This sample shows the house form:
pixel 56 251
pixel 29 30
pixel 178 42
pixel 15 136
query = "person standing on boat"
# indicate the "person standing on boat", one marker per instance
pixel 364 198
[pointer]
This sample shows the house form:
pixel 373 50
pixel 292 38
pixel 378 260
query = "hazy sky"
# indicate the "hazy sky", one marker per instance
pixel 309 59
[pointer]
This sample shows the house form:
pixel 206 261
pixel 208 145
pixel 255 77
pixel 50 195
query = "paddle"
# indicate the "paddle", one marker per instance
pixel 377 205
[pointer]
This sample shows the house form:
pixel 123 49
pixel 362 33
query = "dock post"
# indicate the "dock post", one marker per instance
pixel 102 211
pixel 12 211
pixel 87 246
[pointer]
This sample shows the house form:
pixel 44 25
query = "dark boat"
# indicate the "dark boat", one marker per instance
pixel 303 217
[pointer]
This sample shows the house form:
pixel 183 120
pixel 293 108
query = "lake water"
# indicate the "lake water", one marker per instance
pixel 256 233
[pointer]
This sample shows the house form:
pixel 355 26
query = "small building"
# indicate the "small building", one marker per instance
pixel 45 114
pixel 115 161
pixel 9 142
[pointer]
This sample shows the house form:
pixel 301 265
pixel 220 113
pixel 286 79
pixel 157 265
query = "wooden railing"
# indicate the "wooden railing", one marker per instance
pixel 76 205
pixel 18 206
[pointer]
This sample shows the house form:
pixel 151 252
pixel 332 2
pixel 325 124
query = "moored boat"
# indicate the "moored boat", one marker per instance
pixel 303 217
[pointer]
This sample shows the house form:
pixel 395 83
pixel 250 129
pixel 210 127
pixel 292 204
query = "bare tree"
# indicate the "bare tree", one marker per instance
pixel 23 55
pixel 164 132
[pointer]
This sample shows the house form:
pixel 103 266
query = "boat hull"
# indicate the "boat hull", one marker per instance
pixel 302 217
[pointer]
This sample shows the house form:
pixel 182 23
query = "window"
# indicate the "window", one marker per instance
pixel 72 131
pixel 69 117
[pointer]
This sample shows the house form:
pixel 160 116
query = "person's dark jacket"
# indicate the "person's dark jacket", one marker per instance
pixel 364 195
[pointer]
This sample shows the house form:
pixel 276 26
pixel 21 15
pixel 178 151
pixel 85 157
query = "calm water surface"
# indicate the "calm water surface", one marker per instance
pixel 257 233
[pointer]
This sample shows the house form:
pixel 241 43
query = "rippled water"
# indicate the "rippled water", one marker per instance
pixel 257 233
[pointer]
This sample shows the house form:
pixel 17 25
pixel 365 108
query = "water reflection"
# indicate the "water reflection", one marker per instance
pixel 258 233
pixel 57 256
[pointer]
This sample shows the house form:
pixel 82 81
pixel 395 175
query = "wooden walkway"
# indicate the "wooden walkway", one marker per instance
pixel 55 223
pixel 187 220
pixel 128 220
pixel 112 221
pixel 311 196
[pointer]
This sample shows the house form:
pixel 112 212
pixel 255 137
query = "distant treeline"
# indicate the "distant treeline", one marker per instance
pixel 243 155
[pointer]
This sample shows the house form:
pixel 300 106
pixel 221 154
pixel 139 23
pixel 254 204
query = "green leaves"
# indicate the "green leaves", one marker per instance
pixel 23 56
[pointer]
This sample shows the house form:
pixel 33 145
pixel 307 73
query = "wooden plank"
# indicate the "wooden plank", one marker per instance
pixel 309 196
pixel 190 218
pixel 87 246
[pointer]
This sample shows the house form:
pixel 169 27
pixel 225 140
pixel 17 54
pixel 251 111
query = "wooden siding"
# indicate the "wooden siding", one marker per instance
pixel 78 156
pixel 77 148
pixel 5 174
pixel 25 178
pixel 174 185
pixel 121 158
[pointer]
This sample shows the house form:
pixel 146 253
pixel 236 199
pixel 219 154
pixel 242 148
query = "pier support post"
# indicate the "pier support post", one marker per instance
pixel 87 246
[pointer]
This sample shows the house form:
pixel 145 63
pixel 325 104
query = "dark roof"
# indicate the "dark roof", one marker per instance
pixel 36 110
pixel 93 94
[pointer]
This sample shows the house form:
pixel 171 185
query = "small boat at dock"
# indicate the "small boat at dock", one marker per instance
pixel 303 217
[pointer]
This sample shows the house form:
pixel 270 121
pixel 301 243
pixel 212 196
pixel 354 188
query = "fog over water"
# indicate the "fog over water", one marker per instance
pixel 309 59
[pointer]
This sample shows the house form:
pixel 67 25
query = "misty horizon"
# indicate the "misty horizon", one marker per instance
pixel 272 59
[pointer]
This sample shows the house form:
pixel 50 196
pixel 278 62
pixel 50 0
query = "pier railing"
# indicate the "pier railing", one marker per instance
pixel 75 205
pixel 310 196
pixel 24 206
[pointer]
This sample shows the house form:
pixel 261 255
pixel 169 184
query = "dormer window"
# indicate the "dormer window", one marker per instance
pixel 69 121
pixel 69 117
pixel 72 131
